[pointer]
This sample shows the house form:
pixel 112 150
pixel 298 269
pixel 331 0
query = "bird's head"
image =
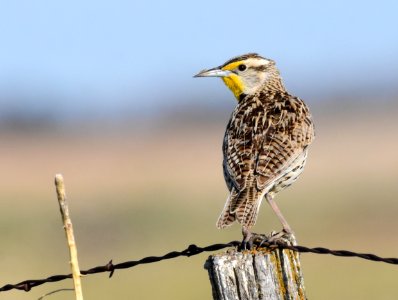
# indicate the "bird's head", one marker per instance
pixel 246 74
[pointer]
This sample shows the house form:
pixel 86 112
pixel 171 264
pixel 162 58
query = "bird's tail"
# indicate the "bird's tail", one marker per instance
pixel 227 218
pixel 242 206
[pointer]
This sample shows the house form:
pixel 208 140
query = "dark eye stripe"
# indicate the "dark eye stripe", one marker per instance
pixel 262 68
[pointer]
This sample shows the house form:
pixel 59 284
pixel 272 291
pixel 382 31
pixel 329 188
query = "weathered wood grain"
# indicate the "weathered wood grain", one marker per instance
pixel 269 274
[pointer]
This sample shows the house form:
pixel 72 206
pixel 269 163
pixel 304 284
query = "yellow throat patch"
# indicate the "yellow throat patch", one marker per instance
pixel 233 82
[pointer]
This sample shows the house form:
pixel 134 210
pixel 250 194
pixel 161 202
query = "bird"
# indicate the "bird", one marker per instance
pixel 266 141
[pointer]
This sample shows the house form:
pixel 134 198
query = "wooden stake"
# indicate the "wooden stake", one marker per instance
pixel 60 188
pixel 259 274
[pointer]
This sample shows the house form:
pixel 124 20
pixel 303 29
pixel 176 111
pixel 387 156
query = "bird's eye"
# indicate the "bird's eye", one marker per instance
pixel 242 67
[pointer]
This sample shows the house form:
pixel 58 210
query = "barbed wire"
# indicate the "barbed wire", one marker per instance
pixel 191 250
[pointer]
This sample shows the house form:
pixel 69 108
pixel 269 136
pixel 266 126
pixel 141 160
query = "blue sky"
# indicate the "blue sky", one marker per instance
pixel 110 54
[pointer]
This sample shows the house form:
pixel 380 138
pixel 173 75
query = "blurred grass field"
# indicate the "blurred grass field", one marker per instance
pixel 135 192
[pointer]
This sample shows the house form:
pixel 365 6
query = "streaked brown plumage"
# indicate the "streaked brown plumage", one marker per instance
pixel 266 141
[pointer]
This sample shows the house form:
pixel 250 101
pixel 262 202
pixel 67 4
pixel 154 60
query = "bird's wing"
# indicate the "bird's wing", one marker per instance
pixel 262 140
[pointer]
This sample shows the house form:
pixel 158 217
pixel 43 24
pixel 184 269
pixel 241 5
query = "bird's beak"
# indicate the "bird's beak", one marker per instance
pixel 215 72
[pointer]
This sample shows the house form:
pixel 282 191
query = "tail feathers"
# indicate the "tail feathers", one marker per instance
pixel 248 215
pixel 227 218
pixel 241 206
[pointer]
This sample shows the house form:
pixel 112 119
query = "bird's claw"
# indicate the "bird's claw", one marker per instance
pixel 278 238
pixel 255 240
pixel 252 239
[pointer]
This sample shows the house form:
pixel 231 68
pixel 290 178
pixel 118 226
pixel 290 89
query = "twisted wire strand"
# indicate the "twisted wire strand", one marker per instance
pixel 191 250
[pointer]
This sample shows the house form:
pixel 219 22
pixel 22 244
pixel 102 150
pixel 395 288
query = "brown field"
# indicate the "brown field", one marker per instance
pixel 138 193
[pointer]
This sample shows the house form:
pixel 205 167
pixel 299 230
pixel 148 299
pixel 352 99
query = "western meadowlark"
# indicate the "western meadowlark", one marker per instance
pixel 266 141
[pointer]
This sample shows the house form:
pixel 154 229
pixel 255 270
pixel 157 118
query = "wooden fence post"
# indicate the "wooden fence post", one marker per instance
pixel 264 273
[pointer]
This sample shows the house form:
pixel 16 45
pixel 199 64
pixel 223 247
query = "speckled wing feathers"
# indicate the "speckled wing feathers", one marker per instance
pixel 267 134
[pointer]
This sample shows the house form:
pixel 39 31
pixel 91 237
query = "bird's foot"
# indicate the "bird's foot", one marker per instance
pixel 274 238
pixel 251 240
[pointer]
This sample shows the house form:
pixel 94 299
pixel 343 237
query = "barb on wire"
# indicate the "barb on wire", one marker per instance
pixel 27 285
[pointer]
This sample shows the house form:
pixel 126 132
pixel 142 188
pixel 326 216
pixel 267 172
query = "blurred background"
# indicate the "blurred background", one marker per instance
pixel 102 92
